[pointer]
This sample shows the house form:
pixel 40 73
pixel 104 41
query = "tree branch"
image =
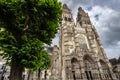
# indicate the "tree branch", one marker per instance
pixel 26 23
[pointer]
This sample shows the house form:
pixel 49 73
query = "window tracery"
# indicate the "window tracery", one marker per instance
pixel 82 42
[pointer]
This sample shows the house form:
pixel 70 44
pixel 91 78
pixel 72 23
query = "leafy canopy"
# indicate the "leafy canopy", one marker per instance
pixel 36 18
pixel 25 25
pixel 42 59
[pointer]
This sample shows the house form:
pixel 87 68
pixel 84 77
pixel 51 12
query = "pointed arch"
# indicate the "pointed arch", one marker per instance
pixel 83 42
pixel 103 64
pixel 89 65
pixel 75 69
pixel 74 63
pixel 89 58
pixel 74 60
pixel 105 69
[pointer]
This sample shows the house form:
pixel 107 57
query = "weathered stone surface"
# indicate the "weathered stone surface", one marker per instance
pixel 80 54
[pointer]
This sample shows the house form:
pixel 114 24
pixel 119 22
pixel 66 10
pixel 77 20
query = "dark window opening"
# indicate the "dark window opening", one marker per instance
pixel 65 18
pixel 73 75
pixel 69 19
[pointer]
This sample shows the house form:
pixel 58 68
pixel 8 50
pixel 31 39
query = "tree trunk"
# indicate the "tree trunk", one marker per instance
pixel 16 70
pixel 39 71
pixel 3 72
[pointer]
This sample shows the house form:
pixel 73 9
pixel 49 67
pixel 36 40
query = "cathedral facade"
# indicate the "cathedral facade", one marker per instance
pixel 80 55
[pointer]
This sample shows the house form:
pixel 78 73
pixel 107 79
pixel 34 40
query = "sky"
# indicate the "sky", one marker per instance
pixel 105 16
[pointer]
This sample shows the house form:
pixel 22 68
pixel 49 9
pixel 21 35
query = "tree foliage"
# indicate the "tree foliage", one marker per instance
pixel 36 18
pixel 25 20
pixel 34 61
pixel 25 26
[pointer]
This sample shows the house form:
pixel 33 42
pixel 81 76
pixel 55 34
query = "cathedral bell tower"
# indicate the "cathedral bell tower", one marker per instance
pixel 67 45
pixel 80 55
pixel 67 31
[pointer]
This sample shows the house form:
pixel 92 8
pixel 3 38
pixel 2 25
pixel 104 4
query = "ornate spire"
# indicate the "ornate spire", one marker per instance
pixel 81 12
pixel 65 7
pixel 82 16
pixel 80 9
pixel 67 15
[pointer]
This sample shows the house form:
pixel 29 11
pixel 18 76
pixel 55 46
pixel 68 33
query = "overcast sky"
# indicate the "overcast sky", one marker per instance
pixel 105 16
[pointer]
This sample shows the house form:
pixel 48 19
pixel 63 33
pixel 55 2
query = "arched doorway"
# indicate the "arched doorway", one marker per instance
pixel 75 69
pixel 89 66
pixel 105 69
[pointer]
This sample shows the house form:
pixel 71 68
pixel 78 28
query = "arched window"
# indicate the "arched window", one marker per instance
pixel 75 69
pixel 69 19
pixel 105 69
pixel 82 42
pixel 88 62
pixel 103 65
pixel 65 18
pixel 74 62
pixel 88 65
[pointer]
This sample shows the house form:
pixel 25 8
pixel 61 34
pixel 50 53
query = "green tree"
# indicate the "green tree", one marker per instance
pixel 25 26
pixel 46 63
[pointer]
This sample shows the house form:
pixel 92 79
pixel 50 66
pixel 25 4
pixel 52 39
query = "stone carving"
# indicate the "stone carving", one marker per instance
pixel 69 49
pixel 78 61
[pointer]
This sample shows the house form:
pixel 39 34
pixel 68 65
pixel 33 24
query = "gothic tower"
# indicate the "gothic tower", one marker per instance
pixel 67 44
pixel 80 55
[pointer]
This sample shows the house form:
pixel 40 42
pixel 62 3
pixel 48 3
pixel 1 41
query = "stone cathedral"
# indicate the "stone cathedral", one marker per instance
pixel 80 55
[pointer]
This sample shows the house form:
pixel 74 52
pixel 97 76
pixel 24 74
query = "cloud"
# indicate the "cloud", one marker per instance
pixel 55 41
pixel 113 51
pixel 105 16
pixel 74 3
pixel 113 4
pixel 107 24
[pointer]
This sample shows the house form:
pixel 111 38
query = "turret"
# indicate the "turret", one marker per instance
pixel 67 15
pixel 82 17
